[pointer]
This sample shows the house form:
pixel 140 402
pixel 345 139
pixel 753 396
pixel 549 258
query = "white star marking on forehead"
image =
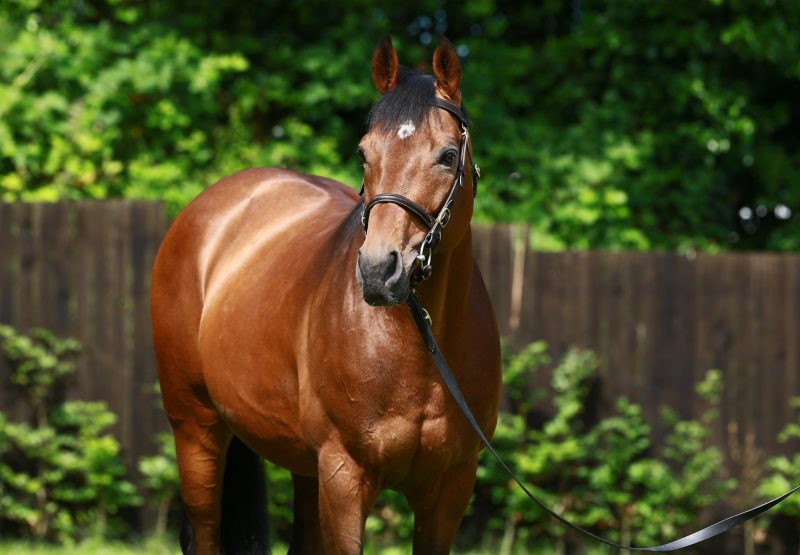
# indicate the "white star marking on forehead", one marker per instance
pixel 406 130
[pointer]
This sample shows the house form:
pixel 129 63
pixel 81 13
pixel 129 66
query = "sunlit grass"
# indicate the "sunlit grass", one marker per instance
pixel 149 546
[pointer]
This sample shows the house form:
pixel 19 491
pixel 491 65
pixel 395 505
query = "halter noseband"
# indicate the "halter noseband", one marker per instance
pixel 437 223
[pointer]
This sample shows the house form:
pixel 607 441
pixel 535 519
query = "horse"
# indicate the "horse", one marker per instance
pixel 280 332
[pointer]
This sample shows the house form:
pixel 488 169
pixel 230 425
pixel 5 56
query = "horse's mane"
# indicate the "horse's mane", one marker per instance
pixel 410 100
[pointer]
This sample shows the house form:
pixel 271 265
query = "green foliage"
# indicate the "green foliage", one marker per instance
pixel 110 99
pixel 602 475
pixel 39 361
pixel 785 471
pixel 639 124
pixel 160 471
pixel 624 124
pixel 280 498
pixel 62 476
pixel 391 522
pixel 550 457
pixel 653 499
pixel 160 479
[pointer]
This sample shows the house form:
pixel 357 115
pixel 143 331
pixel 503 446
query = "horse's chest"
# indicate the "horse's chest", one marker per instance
pixel 438 433
pixel 414 439
pixel 390 410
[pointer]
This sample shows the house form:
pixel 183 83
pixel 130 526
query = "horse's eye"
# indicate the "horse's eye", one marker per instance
pixel 448 158
pixel 361 155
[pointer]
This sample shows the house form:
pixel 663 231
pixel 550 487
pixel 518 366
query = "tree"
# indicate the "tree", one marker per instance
pixel 605 125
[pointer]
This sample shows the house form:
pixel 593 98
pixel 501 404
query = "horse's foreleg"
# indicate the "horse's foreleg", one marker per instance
pixel 346 496
pixel 438 511
pixel 201 453
pixel 306 537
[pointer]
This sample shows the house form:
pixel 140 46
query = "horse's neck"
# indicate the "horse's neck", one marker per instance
pixel 446 293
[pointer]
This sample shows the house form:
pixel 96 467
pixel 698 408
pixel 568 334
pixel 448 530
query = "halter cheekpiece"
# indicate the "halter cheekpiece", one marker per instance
pixel 434 223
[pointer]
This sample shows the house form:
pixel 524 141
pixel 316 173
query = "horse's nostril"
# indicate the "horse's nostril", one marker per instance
pixel 393 270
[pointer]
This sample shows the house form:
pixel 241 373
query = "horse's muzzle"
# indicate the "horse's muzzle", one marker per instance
pixel 383 278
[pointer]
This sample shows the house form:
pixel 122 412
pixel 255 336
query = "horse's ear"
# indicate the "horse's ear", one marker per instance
pixel 447 68
pixel 385 66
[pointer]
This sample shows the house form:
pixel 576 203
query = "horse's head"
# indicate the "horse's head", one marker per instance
pixel 415 155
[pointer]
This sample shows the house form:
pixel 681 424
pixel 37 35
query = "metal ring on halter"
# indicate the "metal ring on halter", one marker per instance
pixel 425 260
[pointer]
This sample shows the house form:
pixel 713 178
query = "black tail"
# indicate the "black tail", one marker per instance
pixel 244 504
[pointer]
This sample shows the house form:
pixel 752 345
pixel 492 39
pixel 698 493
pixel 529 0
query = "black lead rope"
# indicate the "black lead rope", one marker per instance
pixel 425 332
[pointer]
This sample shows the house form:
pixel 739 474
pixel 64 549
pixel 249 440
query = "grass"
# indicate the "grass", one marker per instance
pixel 149 546
pixel 169 546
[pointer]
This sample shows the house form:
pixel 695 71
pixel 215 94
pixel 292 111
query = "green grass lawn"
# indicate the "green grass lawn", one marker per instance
pixel 150 546
pixel 154 546
pixel 169 546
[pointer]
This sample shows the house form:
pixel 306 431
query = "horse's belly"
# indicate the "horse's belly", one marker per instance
pixel 252 382
pixel 264 414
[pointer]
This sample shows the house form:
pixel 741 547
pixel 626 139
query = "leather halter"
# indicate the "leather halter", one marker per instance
pixel 437 223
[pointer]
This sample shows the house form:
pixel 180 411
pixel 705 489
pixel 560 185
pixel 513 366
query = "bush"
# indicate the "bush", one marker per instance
pixel 160 479
pixel 62 472
pixel 603 475
pixel 785 473
pixel 644 500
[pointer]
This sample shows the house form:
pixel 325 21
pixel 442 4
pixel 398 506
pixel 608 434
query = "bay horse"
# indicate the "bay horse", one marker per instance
pixel 280 332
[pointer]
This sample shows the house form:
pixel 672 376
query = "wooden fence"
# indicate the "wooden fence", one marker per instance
pixel 657 321
pixel 83 270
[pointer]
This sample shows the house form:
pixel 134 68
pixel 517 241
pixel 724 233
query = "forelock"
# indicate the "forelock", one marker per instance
pixel 409 101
